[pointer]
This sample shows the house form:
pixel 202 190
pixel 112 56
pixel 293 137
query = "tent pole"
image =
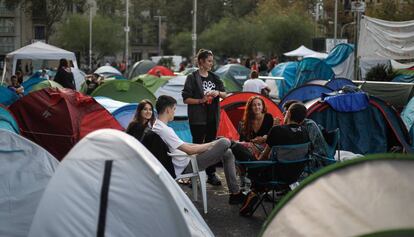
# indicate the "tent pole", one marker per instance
pixel 4 71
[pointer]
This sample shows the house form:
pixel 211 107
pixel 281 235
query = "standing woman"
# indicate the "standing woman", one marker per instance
pixel 64 75
pixel 202 92
pixel 143 119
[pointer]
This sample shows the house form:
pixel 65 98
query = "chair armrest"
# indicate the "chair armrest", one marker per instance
pixel 256 164
pixel 193 160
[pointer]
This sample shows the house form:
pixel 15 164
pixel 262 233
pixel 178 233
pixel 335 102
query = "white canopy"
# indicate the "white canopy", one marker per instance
pixel 302 51
pixel 173 88
pixel 25 170
pixel 386 39
pixel 360 197
pixel 109 173
pixel 317 55
pixel 107 70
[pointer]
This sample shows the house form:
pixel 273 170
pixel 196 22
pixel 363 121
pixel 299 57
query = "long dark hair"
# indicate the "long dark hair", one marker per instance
pixel 138 118
pixel 248 116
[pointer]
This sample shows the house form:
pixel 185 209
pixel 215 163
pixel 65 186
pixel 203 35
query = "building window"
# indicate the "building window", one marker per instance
pixel 6 44
pixel 40 32
pixel 6 25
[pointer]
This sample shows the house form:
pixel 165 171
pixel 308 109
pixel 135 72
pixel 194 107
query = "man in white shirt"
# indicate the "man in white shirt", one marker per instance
pixel 254 84
pixel 207 154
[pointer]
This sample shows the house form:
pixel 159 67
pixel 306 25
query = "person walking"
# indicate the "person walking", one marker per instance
pixel 202 92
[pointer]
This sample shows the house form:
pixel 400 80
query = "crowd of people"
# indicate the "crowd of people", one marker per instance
pixel 259 131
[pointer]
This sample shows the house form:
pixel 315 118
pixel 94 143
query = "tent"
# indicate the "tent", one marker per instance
pixel 234 106
pixel 338 83
pixel 111 185
pixel 25 170
pixel 7 121
pixel 109 104
pixel 162 70
pixel 29 83
pixel 108 71
pixel 57 119
pixel 288 72
pixel 354 198
pixel 125 114
pixel 141 67
pixel 304 93
pixel 36 51
pixel 300 52
pixel 173 88
pixel 317 55
pixel 311 69
pixel 44 84
pixel 7 96
pixel 341 60
pixel 377 128
pixel 151 82
pixel 124 90
pixel 233 76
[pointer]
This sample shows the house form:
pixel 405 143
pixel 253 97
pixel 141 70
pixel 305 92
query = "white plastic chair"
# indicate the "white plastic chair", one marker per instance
pixel 200 174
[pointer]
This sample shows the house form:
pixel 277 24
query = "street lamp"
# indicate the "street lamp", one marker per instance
pixel 159 33
pixel 194 35
pixel 343 27
pixel 126 29
pixel 90 35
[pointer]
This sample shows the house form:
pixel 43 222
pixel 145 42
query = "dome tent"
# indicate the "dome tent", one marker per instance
pixel 7 120
pixel 138 198
pixel 141 67
pixel 124 90
pixel 25 170
pixel 325 204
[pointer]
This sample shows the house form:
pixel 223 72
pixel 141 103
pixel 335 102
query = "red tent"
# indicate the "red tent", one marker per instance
pixel 57 119
pixel 162 70
pixel 234 106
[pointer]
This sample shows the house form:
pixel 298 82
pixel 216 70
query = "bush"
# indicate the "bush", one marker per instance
pixel 380 73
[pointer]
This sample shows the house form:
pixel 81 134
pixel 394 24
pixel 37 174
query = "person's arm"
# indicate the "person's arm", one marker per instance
pixel 265 154
pixel 192 149
pixel 193 101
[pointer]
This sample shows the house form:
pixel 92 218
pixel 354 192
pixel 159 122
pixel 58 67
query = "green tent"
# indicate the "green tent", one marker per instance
pixel 152 83
pixel 353 198
pixel 233 76
pixel 124 90
pixel 45 84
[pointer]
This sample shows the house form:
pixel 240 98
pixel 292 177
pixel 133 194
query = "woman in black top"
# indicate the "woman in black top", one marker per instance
pixel 64 75
pixel 143 119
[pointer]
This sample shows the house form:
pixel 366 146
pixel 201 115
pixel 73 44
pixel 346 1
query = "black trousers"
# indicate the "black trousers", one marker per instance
pixel 203 134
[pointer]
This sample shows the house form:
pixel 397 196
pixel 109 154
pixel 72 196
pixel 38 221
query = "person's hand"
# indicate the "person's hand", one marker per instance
pixel 276 121
pixel 214 93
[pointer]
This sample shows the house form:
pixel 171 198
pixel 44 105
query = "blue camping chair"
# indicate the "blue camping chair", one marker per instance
pixel 332 144
pixel 286 162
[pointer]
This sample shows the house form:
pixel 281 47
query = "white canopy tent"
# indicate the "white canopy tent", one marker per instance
pixel 107 71
pixel 317 55
pixel 302 51
pixel 25 170
pixel 111 175
pixel 36 51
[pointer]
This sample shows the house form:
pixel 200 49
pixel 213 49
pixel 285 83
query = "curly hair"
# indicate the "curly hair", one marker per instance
pixel 248 116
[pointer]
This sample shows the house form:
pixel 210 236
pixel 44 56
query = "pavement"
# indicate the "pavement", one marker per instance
pixel 222 218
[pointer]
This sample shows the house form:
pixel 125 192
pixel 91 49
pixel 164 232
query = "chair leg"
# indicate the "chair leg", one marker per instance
pixel 195 188
pixel 203 186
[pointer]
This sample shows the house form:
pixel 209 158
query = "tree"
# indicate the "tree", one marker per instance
pixel 73 34
pixel 392 10
pixel 48 12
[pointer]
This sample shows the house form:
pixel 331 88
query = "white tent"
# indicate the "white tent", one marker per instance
pixel 302 51
pixel 317 55
pixel 358 197
pixel 109 183
pixel 107 71
pixel 109 104
pixel 173 88
pixel 25 170
pixel 36 51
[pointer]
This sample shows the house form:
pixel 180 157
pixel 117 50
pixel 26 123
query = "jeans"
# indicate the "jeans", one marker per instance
pixel 220 151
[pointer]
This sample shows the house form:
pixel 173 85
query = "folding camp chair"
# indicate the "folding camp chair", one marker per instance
pixel 332 139
pixel 159 149
pixel 286 164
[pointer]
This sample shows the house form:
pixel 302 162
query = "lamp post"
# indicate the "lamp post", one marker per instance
pixel 335 21
pixel 126 33
pixel 159 33
pixel 90 35
pixel 343 27
pixel 194 35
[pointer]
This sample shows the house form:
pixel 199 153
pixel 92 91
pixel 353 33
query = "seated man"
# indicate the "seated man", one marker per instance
pixel 207 154
pixel 292 132
pixel 16 86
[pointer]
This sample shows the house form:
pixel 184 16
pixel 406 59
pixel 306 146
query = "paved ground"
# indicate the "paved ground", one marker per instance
pixel 222 218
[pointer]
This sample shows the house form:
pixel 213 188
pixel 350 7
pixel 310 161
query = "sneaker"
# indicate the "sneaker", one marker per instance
pixel 236 198
pixel 213 180
pixel 248 205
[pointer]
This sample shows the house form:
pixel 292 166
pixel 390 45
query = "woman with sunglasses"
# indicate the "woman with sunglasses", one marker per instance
pixel 202 92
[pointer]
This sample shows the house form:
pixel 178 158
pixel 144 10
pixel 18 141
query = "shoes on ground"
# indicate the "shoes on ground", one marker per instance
pixel 249 204
pixel 235 199
pixel 213 180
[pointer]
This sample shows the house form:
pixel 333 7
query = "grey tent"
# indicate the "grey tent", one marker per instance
pixel 25 170
pixel 356 197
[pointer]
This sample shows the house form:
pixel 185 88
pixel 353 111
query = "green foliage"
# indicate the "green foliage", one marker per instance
pixel 181 43
pixel 73 34
pixel 380 73
pixel 166 62
pixel 392 10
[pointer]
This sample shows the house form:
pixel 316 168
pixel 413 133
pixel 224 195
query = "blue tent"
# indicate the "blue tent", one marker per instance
pixel 29 83
pixel 7 96
pixel 7 120
pixel 310 69
pixel 339 54
pixel 304 93
pixel 337 83
pixel 125 114
pixel 182 128
pixel 376 129
pixel 288 72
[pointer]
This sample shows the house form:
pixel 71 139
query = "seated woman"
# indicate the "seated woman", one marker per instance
pixel 253 131
pixel 143 119
pixel 16 86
